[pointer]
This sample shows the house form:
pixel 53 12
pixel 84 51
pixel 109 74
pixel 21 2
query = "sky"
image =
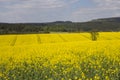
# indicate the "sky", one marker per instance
pixel 22 11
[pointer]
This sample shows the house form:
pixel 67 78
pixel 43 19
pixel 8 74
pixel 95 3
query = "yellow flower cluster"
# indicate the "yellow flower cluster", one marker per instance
pixel 59 56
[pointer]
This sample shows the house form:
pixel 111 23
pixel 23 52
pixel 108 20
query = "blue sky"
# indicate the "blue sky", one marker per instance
pixel 13 11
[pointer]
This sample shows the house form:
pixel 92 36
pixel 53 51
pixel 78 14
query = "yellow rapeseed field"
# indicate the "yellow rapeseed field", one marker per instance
pixel 60 56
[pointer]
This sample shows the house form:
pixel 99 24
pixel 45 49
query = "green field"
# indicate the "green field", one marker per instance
pixel 60 56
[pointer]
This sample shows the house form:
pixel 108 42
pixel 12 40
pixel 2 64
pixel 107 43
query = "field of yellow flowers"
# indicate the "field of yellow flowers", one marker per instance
pixel 60 56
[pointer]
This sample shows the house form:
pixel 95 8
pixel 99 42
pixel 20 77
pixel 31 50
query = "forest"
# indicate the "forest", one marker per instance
pixel 101 25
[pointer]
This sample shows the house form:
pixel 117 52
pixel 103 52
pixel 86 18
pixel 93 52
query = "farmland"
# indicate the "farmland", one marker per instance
pixel 60 56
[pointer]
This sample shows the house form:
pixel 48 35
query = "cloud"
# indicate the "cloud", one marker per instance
pixel 30 10
pixel 104 8
pixel 108 3
pixel 38 3
pixel 47 10
pixel 6 0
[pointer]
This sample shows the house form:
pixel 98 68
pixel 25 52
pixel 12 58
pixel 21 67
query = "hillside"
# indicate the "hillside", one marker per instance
pixel 113 19
pixel 104 24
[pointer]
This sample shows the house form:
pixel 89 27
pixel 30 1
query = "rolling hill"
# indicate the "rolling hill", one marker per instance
pixel 103 25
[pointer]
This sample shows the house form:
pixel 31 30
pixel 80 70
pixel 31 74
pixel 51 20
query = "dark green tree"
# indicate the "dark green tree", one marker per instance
pixel 94 35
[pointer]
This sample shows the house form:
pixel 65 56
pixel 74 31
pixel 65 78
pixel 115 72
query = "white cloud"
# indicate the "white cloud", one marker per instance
pixel 18 10
pixel 38 3
pixel 4 0
pixel 104 8
pixel 108 3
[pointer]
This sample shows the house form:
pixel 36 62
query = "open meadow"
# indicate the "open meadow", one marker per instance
pixel 60 56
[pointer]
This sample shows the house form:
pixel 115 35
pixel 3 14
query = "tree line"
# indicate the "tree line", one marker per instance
pixel 58 26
